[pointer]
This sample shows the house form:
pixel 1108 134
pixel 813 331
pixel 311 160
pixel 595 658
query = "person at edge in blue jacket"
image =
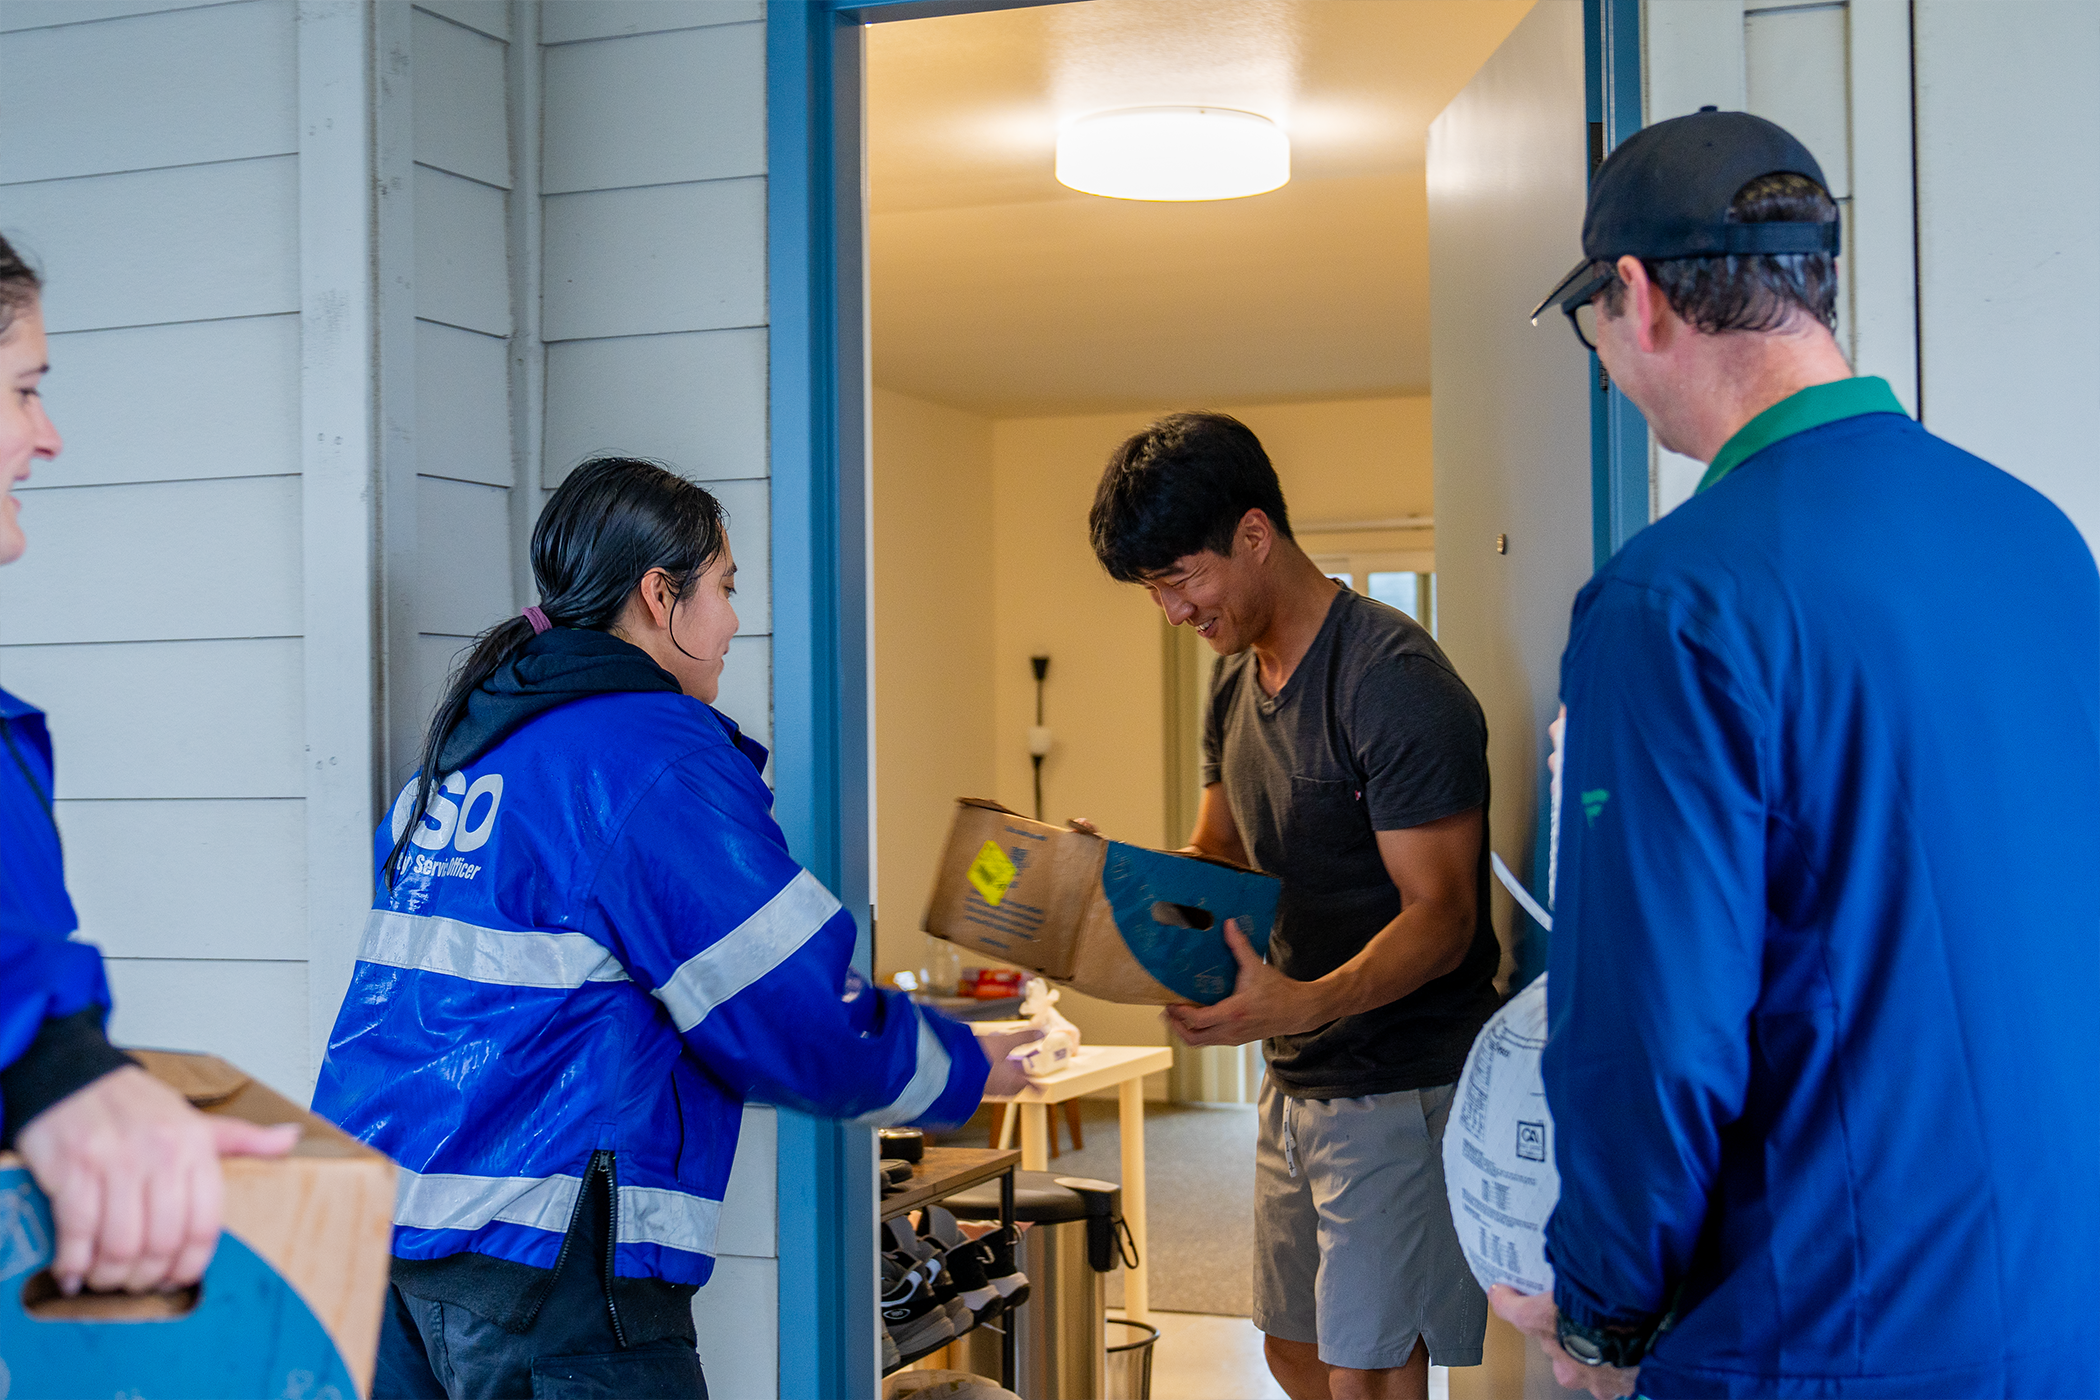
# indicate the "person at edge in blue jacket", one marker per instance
pixel 586 953
pixel 131 1169
pixel 1822 1002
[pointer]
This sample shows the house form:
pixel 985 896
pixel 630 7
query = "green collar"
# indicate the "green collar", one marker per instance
pixel 1810 408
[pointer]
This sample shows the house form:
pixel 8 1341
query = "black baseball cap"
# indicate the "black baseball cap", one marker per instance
pixel 1665 192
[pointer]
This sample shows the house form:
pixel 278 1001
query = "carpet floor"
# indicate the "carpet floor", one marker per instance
pixel 1199 1175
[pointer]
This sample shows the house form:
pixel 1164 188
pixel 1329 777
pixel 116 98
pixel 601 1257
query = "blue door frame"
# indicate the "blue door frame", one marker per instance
pixel 815 244
pixel 818 457
pixel 1611 50
pixel 825 1181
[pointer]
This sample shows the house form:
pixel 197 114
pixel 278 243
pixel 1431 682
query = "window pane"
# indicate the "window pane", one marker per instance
pixel 1399 590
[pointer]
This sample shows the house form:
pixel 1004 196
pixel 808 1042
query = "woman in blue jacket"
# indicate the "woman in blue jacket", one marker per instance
pixel 131 1169
pixel 590 947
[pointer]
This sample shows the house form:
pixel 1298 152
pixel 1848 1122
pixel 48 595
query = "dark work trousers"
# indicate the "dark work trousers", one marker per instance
pixel 429 1350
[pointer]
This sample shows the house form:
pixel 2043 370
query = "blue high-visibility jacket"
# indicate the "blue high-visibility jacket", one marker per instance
pixel 1825 997
pixel 600 941
pixel 43 975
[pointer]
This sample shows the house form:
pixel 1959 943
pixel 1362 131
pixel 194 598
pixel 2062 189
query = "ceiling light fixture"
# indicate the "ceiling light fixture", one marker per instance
pixel 1174 153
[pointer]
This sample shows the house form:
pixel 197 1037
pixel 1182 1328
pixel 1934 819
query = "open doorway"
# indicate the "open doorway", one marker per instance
pixel 1019 330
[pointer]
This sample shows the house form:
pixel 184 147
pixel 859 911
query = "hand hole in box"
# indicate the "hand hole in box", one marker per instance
pixel 42 1300
pixel 1180 915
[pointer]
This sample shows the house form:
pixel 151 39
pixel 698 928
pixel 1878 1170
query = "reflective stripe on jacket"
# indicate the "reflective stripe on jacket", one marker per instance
pixel 599 940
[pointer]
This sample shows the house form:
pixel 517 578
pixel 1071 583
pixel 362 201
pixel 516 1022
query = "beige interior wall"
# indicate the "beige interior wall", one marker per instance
pixel 934 621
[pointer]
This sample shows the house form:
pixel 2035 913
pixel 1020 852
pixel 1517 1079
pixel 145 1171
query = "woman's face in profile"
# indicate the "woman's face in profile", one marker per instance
pixel 703 626
pixel 25 432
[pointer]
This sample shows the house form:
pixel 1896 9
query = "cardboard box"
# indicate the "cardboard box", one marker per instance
pixel 289 1306
pixel 1115 921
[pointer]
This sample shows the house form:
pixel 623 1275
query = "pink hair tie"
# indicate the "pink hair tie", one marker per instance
pixel 538 620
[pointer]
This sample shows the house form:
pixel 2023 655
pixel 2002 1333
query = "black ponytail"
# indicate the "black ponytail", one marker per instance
pixel 606 528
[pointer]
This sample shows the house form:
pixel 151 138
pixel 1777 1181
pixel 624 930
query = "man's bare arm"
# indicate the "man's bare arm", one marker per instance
pixel 1436 867
pixel 1216 833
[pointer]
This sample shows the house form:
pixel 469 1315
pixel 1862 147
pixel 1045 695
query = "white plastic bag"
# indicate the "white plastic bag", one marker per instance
pixel 1060 1037
pixel 1498 1150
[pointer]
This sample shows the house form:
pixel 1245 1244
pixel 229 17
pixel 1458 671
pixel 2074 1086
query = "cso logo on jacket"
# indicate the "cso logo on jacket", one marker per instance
pixel 465 824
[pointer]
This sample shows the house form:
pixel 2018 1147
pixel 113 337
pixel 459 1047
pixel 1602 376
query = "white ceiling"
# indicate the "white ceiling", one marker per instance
pixel 998 290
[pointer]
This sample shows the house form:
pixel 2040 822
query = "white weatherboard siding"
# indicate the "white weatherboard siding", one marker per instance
pixel 465 538
pixel 1837 75
pixel 1944 128
pixel 2009 206
pixel 308 350
pixel 149 159
pixel 652 192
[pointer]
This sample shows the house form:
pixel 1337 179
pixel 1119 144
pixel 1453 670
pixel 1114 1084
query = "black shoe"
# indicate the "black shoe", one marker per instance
pixel 995 1255
pixel 928 1257
pixel 910 1315
pixel 937 1227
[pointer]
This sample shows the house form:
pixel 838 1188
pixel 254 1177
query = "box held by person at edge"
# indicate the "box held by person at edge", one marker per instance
pixel 1112 920
pixel 289 1306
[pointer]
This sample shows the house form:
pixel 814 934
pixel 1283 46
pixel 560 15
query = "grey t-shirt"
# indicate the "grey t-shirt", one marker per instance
pixel 1373 732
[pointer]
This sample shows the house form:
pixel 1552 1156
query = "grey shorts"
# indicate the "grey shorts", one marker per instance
pixel 1353 1243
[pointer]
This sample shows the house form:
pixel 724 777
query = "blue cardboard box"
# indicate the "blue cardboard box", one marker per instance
pixel 1115 921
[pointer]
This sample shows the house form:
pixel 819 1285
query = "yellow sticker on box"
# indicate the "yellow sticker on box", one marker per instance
pixel 993 873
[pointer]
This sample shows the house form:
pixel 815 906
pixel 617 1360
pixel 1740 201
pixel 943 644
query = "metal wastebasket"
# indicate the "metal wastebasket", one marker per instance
pixel 1129 1360
pixel 1060 1334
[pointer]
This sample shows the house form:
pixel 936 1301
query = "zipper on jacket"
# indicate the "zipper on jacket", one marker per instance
pixel 601 1164
pixel 568 1236
pixel 602 1161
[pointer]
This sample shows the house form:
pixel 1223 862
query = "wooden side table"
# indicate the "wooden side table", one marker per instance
pixel 1098 1067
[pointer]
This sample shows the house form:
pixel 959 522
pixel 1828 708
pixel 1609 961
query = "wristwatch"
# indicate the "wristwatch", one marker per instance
pixel 1595 1346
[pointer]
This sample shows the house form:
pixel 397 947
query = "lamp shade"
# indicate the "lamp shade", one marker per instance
pixel 1174 153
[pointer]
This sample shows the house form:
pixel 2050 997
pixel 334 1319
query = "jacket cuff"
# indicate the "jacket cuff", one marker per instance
pixel 967 1071
pixel 69 1053
pixel 1580 1307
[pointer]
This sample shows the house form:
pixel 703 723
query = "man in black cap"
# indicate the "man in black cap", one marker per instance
pixel 1832 759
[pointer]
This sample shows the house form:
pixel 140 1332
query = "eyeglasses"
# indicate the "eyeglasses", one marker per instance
pixel 1576 297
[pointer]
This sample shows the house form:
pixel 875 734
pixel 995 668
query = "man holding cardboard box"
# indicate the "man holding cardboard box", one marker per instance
pixel 1342 753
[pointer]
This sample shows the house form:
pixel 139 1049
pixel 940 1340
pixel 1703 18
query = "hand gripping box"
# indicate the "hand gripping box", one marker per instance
pixel 1114 921
pixel 289 1308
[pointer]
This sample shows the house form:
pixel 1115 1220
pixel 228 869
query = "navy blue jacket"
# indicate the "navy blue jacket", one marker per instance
pixel 1825 1009
pixel 600 941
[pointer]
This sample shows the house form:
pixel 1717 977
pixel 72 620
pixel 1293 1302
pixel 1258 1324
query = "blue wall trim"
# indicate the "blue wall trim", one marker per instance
pixel 816 299
pixel 1618 433
pixel 825 1181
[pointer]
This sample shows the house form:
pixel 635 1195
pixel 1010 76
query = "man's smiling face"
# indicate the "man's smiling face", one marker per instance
pixel 1220 596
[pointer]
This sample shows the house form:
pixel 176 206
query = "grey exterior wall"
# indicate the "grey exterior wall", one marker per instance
pixel 339 292
pixel 150 160
pixel 2008 213
pixel 1838 75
